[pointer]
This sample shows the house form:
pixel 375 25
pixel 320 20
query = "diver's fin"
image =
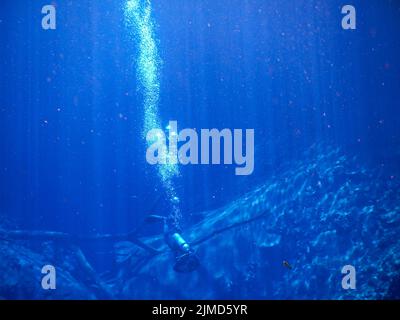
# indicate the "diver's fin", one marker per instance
pixel 154 218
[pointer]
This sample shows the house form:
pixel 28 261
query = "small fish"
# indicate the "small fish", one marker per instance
pixel 286 264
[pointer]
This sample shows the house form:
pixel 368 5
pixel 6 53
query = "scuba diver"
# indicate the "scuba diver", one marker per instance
pixel 186 259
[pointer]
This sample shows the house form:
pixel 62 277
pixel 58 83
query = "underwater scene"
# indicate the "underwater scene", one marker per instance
pixel 199 149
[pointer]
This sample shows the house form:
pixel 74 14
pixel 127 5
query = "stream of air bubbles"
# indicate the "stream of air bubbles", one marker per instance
pixel 141 32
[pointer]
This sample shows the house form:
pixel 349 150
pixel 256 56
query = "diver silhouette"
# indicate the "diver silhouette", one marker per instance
pixel 186 259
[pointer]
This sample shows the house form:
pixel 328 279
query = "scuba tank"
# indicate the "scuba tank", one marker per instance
pixel 186 259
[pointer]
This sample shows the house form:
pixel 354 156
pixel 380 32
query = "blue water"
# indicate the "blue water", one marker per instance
pixel 76 104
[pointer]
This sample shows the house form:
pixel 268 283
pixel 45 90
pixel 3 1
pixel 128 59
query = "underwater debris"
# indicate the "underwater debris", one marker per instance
pixel 20 273
pixel 65 237
pixel 351 219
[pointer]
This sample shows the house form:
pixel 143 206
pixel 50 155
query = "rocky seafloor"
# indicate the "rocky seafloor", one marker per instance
pixel 319 214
